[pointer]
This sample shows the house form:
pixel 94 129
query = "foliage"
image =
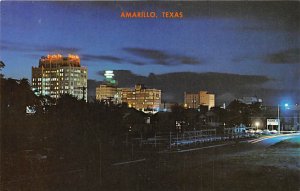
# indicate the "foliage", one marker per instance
pixel 76 129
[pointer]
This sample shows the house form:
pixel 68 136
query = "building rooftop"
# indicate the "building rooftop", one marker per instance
pixel 57 59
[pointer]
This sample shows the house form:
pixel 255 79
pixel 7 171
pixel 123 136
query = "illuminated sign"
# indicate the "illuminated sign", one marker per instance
pixel 109 74
pixel 272 121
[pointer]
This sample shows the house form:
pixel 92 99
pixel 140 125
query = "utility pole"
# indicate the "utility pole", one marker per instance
pixel 278 117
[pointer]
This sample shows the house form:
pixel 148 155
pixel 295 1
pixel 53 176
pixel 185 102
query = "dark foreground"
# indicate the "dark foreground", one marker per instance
pixel 236 166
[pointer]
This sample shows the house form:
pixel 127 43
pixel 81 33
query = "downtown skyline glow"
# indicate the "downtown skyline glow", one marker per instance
pixel 255 40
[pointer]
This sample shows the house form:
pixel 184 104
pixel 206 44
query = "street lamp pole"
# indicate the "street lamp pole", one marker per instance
pixel 278 117
pixel 257 124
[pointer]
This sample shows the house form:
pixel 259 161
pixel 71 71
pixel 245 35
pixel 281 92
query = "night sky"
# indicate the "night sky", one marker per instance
pixel 233 49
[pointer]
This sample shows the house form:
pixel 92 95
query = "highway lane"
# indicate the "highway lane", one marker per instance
pixel 266 141
pixel 249 165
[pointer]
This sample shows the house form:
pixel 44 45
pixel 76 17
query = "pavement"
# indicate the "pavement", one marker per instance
pixel 272 139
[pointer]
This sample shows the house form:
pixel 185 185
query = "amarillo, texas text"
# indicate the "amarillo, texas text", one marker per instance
pixel 151 14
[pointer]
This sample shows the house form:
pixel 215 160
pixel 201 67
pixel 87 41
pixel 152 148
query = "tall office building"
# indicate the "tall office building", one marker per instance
pixel 195 100
pixel 58 75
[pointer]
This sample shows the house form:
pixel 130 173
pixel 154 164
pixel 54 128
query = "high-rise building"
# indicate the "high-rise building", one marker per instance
pixel 195 100
pixel 58 75
pixel 142 99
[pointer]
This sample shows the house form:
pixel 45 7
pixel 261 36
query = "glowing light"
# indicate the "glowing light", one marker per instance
pixel 257 123
pixel 54 56
pixel 109 74
pixel 73 56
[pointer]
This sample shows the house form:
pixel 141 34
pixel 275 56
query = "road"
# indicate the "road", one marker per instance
pixel 253 165
pixel 273 139
pixel 257 164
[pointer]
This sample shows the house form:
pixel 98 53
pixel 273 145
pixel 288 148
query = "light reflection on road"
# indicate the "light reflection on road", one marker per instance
pixel 271 140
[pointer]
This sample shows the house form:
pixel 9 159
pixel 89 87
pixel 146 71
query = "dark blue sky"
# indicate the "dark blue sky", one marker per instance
pixel 256 39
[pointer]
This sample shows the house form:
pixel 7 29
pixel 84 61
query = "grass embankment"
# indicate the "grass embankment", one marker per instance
pixel 289 143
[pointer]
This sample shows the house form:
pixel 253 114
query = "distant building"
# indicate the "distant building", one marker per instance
pixel 207 99
pixel 191 100
pixel 109 78
pixel 141 98
pixel 250 100
pixel 195 100
pixel 58 75
pixel 108 91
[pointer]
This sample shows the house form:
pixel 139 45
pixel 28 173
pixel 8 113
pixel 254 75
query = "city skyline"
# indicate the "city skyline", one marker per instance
pixel 256 44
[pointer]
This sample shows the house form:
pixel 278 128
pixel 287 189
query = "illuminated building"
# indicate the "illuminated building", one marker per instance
pixel 250 100
pixel 195 100
pixel 207 99
pixel 108 91
pixel 58 75
pixel 109 77
pixel 142 99
pixel 191 100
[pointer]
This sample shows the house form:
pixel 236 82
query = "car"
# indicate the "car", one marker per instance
pixel 266 132
pixel 250 131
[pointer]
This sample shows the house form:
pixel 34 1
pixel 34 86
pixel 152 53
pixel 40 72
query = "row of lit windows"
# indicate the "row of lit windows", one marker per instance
pixel 44 79
pixel 47 88
pixel 142 94
pixel 49 79
pixel 50 71
pixel 44 84
pixel 36 79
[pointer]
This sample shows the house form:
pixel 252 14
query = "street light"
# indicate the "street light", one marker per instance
pixel 257 124
pixel 286 105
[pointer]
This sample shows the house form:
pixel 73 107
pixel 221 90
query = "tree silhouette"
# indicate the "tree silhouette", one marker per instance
pixel 2 65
